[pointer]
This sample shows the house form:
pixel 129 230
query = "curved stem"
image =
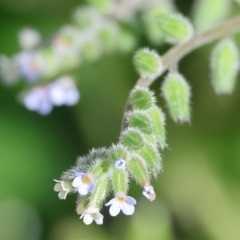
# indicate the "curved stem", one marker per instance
pixel 179 51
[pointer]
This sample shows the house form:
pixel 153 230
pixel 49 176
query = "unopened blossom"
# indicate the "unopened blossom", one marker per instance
pixel 63 187
pixel 29 38
pixel 9 70
pixel 84 182
pixel 121 202
pixel 120 164
pixel 31 65
pixel 148 192
pixel 63 92
pixel 92 214
pixel 36 99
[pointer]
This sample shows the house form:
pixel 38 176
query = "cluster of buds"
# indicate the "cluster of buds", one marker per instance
pixel 43 98
pixel 136 156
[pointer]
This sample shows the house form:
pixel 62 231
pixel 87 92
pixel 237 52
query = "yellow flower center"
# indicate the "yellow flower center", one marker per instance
pixel 86 179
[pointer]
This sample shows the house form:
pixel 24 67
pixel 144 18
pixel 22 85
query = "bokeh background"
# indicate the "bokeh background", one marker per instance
pixel 198 195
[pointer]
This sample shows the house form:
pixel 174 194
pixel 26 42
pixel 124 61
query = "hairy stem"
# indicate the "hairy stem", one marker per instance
pixel 174 55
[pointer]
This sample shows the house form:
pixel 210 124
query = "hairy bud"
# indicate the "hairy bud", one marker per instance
pixel 117 151
pixel 176 92
pixel 176 28
pixel 147 62
pixel 225 65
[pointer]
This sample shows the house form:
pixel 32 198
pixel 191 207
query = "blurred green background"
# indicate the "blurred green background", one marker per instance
pixel 198 194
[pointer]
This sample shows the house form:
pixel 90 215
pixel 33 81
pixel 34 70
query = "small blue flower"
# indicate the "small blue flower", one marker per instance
pixel 121 202
pixel 148 192
pixel 120 164
pixel 84 182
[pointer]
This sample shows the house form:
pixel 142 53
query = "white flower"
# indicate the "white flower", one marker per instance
pixel 36 99
pixel 90 214
pixel 63 188
pixel 31 65
pixel 9 70
pixel 84 182
pixel 63 92
pixel 120 164
pixel 149 193
pixel 29 38
pixel 121 202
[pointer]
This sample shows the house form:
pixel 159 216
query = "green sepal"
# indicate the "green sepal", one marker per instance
pixel 119 181
pixel 100 192
pixel 140 119
pixel 138 169
pixel 100 168
pixel 158 123
pixel 225 66
pixel 176 92
pixel 118 151
pixel 141 98
pixel 175 27
pixel 132 138
pixel 152 158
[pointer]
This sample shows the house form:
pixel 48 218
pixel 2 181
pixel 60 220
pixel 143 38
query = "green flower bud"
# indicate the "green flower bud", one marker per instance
pixel 119 181
pixel 158 123
pixel 127 40
pixel 150 19
pixel 132 138
pixel 138 169
pixel 102 5
pixel 141 98
pixel 90 51
pixel 225 65
pixel 118 151
pixel 176 28
pixel 152 158
pixel 176 92
pixel 85 17
pixel 100 191
pixel 108 37
pixel 140 119
pixel 100 168
pixel 208 13
pixel 147 62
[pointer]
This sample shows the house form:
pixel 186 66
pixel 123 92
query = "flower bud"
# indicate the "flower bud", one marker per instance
pixel 100 191
pixel 91 51
pixel 225 65
pixel 127 40
pixel 150 19
pixel 152 158
pixel 176 92
pixel 138 169
pixel 29 38
pixel 141 98
pixel 132 138
pixel 158 123
pixel 117 151
pixel 119 180
pixel 176 28
pixel 101 5
pixel 147 62
pixel 100 168
pixel 208 13
pixel 140 119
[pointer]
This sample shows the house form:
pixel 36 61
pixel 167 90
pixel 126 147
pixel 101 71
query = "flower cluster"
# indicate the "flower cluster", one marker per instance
pixel 136 157
pixel 42 98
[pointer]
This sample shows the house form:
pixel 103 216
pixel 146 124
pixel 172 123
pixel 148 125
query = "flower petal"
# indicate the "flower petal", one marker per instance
pixel 87 219
pixel 99 219
pixel 57 187
pixel 62 195
pixel 114 210
pixel 112 201
pixel 77 181
pixel 127 209
pixel 131 200
pixel 83 189
pixel 91 187
pixel 66 185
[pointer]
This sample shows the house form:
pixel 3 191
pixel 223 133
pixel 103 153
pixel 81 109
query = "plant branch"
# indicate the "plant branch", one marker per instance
pixel 176 53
